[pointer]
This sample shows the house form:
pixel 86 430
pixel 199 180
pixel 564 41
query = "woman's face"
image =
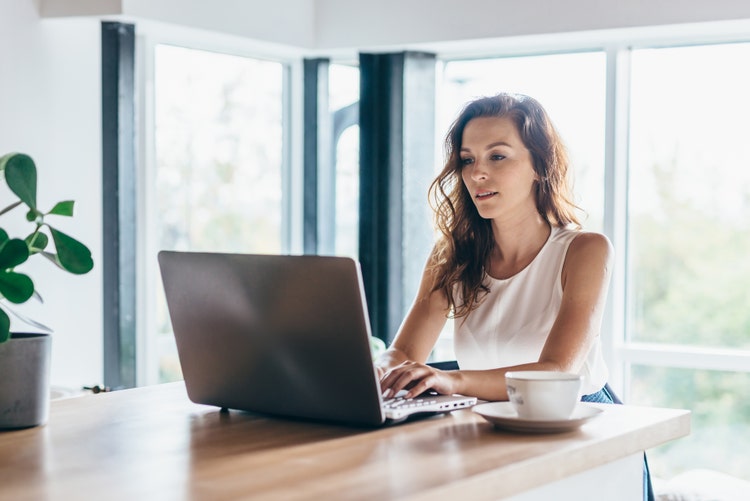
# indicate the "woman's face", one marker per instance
pixel 497 169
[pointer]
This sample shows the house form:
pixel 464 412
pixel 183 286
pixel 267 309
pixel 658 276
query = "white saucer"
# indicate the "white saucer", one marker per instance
pixel 503 415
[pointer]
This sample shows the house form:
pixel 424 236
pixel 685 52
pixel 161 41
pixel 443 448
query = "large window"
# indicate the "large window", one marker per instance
pixel 689 242
pixel 218 173
pixel 690 196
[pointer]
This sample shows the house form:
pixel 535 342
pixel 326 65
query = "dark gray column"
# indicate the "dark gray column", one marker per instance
pixel 118 203
pixel 397 117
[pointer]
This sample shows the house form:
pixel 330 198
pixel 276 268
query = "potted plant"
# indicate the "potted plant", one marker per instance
pixel 24 357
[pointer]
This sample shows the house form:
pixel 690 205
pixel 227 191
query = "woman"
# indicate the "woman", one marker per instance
pixel 525 285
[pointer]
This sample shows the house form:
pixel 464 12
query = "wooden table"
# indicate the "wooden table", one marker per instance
pixel 153 443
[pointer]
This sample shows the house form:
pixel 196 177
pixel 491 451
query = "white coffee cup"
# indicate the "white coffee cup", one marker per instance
pixel 543 395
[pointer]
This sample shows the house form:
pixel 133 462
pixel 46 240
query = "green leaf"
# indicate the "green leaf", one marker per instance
pixel 12 253
pixel 16 287
pixel 72 255
pixel 3 237
pixel 4 326
pixel 20 174
pixel 63 208
pixel 37 241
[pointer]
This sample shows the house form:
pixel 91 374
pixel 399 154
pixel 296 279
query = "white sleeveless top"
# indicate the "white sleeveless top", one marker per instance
pixel 512 321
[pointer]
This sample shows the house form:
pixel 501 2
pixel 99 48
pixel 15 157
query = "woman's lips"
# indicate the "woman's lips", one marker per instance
pixel 482 195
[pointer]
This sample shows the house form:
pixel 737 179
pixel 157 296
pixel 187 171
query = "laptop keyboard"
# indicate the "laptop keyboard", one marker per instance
pixel 407 403
pixel 428 403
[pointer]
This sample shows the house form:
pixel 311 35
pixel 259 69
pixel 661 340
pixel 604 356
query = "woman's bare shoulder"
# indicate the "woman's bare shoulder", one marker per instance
pixel 590 238
pixel 588 245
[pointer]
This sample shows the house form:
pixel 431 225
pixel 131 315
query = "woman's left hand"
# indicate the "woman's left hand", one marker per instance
pixel 417 378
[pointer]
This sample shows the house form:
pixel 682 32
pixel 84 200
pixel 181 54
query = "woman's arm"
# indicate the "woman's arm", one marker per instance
pixel 585 280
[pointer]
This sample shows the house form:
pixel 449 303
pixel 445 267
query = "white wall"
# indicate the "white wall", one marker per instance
pixel 50 109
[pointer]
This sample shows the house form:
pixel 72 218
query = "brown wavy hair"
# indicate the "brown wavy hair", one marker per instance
pixel 461 255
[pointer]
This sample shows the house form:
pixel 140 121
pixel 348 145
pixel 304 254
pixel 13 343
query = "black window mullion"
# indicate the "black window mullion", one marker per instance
pixel 396 142
pixel 118 204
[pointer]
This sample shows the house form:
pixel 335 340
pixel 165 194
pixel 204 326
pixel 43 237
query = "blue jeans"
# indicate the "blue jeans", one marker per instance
pixel 607 396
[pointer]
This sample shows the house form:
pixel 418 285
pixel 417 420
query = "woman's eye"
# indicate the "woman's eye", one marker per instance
pixel 496 157
pixel 467 161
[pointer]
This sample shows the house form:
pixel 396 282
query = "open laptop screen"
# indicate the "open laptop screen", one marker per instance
pixel 284 335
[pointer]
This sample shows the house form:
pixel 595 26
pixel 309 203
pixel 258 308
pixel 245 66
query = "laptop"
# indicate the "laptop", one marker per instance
pixel 281 335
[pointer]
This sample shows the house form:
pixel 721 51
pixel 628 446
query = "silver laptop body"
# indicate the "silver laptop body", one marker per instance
pixel 280 335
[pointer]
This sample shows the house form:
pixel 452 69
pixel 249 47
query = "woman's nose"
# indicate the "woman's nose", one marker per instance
pixel 478 171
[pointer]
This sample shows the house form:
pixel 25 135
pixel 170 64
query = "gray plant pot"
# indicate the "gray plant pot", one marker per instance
pixel 24 380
